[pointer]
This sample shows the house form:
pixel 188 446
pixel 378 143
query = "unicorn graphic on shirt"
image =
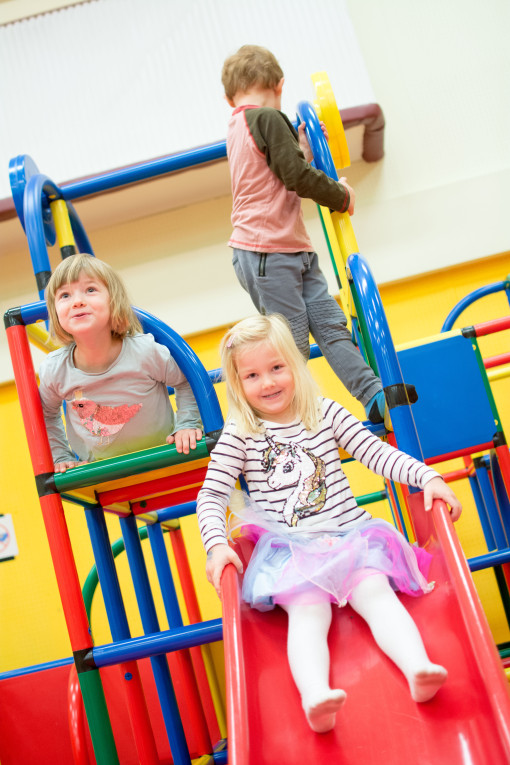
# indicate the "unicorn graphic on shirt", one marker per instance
pixel 292 465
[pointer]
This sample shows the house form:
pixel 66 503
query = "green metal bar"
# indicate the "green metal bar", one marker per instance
pixel 331 255
pixel 486 383
pixel 98 718
pixel 127 465
pixel 503 591
pixel 376 496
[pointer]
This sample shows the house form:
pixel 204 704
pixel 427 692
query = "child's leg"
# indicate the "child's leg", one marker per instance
pixel 397 635
pixel 308 652
pixel 328 327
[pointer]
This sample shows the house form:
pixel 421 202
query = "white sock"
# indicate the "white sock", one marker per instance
pixel 308 652
pixel 397 635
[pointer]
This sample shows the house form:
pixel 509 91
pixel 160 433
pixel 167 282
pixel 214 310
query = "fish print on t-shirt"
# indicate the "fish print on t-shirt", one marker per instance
pixel 101 421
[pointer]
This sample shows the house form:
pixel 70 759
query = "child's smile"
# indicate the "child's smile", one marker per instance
pixel 268 382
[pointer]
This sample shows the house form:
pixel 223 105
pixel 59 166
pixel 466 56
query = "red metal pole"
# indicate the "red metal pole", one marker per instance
pixel 489 327
pixel 194 616
pixel 139 490
pixel 496 361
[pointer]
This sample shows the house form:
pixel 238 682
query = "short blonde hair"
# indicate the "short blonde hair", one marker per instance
pixel 274 330
pixel 251 66
pixel 123 318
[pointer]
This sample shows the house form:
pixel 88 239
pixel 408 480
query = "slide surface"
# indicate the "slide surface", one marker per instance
pixel 468 721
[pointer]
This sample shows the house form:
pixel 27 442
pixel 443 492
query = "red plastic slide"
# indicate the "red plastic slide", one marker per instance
pixel 468 722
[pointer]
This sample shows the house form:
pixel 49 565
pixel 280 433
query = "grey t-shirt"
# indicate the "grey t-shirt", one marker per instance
pixel 124 409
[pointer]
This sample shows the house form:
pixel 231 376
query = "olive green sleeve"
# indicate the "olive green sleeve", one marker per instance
pixel 277 139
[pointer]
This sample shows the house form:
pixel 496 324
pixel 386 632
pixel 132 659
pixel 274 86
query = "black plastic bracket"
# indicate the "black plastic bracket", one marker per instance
pixel 401 394
pixel 13 318
pixel 84 660
pixel 45 483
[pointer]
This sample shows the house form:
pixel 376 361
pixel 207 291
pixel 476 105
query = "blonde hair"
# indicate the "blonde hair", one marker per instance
pixel 123 318
pixel 274 330
pixel 251 66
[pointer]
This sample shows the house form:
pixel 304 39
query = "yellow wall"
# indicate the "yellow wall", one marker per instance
pixel 33 629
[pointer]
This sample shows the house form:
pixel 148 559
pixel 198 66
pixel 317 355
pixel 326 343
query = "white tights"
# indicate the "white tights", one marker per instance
pixel 394 632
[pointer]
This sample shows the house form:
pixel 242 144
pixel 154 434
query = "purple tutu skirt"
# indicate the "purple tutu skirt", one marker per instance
pixel 308 568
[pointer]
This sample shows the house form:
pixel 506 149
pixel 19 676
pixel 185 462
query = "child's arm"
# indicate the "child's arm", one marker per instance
pixel 63 456
pixel 188 426
pixel 227 462
pixel 275 137
pixel 436 488
pixel 218 557
pixel 383 459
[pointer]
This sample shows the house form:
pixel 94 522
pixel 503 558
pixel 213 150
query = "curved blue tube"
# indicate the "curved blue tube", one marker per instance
pixel 472 297
pixel 36 211
pixel 384 350
pixel 191 366
pixel 80 235
pixel 322 158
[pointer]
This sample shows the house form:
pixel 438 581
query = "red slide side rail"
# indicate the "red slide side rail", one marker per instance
pixel 237 703
pixel 475 621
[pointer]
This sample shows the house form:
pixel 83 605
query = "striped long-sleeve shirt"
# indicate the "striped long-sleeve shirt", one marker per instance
pixel 296 474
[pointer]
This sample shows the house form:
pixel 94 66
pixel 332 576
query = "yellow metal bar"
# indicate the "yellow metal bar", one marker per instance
pixel 430 339
pixel 214 686
pixel 65 236
pixel 344 292
pixel 498 373
pixel 405 512
pixel 40 337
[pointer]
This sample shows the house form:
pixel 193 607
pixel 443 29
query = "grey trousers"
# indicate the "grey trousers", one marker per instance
pixel 293 285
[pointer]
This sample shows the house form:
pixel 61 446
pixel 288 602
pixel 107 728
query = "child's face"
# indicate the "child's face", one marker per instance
pixel 83 307
pixel 267 382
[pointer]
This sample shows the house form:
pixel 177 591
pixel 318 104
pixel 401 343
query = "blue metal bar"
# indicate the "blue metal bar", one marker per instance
pixel 34 668
pixel 107 573
pixel 482 512
pixel 164 572
pixel 466 301
pixel 162 642
pixel 489 559
pixel 385 354
pixel 490 505
pixel 32 312
pixel 80 235
pixel 145 170
pixel 165 689
pixel 177 511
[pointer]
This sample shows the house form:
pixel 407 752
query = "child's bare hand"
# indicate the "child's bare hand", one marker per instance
pixel 303 140
pixel 61 467
pixel 218 557
pixel 352 195
pixel 438 489
pixel 185 439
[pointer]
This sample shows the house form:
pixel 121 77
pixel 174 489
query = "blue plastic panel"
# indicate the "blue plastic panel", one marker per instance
pixel 452 411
